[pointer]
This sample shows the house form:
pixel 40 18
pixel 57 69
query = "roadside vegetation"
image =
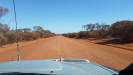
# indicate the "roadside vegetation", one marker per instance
pixel 119 32
pixel 8 35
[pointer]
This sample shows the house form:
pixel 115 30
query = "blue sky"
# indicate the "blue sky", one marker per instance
pixel 61 16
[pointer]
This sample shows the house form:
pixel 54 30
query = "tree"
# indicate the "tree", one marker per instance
pixel 3 11
pixel 38 29
pixel 96 26
pixel 122 29
pixel 105 27
pixel 89 27
pixel 97 30
pixel 28 36
pixel 103 30
pixel 4 28
pixel 11 36
pixel 3 40
pixel 83 34
pixel 26 29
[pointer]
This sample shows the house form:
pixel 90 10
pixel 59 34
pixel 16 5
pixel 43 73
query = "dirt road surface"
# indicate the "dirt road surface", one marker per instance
pixel 59 46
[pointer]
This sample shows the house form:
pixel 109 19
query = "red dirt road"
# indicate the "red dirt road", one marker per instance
pixel 60 46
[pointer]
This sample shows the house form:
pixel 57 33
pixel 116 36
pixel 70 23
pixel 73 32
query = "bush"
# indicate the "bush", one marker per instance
pixel 4 28
pixel 35 35
pixel 28 36
pixel 71 35
pixel 11 36
pixel 122 29
pixel 3 40
pixel 83 34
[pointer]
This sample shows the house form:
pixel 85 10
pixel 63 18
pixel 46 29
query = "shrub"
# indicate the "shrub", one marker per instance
pixel 122 29
pixel 28 36
pixel 11 36
pixel 3 40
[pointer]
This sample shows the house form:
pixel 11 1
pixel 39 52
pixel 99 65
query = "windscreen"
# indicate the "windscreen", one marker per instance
pixel 16 73
pixel 100 31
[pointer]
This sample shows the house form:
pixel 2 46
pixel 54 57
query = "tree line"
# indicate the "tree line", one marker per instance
pixel 8 35
pixel 120 29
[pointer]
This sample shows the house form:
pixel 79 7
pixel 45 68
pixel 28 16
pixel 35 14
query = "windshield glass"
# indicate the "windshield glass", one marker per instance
pixel 22 74
pixel 98 31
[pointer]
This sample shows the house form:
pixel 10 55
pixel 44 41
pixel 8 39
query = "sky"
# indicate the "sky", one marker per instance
pixel 63 16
